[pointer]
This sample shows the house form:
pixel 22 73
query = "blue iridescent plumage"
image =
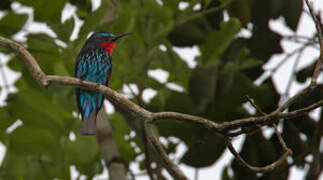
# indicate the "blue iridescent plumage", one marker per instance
pixel 92 64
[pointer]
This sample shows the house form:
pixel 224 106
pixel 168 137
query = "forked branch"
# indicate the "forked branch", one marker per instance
pixel 228 129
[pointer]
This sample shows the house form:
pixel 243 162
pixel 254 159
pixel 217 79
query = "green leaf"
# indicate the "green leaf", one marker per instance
pixel 5 4
pixel 219 41
pixel 120 129
pixel 250 62
pixel 171 4
pixel 28 106
pixel 84 154
pixel 186 105
pixel 305 73
pixel 241 10
pixel 262 50
pixel 12 23
pixel 90 23
pixel 187 34
pixel 42 43
pixel 292 11
pixel 258 151
pixel 291 135
pixel 60 69
pixel 63 31
pixel 14 166
pixel 39 166
pixel 83 7
pixel 46 10
pixel 205 149
pixel 45 51
pixel 28 140
pixel 15 63
pixel 202 85
pixel 6 119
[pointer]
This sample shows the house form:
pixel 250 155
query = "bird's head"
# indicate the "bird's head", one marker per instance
pixel 106 39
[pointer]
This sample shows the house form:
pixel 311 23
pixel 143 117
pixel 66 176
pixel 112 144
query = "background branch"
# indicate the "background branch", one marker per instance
pixel 319 34
pixel 128 108
pixel 109 152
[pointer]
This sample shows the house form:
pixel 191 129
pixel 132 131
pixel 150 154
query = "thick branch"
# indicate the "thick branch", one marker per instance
pixel 28 59
pixel 129 109
pixel 128 106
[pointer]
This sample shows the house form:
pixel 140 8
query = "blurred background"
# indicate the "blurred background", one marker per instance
pixel 200 57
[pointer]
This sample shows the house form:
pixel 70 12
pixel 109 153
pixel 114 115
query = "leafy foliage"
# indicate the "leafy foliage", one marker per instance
pixel 215 88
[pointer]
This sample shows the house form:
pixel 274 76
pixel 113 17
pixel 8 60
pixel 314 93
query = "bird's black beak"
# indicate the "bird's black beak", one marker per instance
pixel 119 36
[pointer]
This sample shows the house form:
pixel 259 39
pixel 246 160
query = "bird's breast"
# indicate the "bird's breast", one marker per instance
pixel 94 65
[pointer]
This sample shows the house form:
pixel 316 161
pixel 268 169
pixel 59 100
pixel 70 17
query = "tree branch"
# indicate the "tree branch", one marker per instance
pixel 319 34
pixel 28 59
pixel 269 167
pixel 108 148
pixel 137 113
pixel 280 139
pixel 168 164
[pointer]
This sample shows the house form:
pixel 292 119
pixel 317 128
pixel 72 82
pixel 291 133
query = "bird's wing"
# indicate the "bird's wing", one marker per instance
pixel 92 65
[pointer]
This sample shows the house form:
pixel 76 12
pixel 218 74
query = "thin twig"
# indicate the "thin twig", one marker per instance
pixel 258 109
pixel 287 151
pixel 287 57
pixel 159 174
pixel 248 131
pixel 311 41
pixel 280 138
pixel 294 71
pixel 173 168
pixel 319 34
pixel 269 167
pixel 137 97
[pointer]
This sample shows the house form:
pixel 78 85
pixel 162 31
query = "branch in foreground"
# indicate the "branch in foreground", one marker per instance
pixel 130 109
pixel 28 59
pixel 280 139
pixel 125 106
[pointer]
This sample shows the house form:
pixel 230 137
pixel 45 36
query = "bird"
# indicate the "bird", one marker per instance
pixel 94 63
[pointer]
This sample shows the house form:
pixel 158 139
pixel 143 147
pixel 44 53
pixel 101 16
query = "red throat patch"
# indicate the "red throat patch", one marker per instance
pixel 109 46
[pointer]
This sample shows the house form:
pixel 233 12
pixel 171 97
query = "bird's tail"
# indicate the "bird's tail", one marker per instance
pixel 89 104
pixel 89 124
